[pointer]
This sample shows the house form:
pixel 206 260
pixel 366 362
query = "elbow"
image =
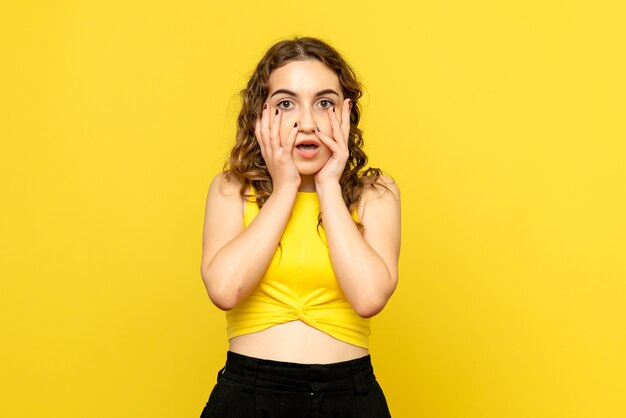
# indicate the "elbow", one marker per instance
pixel 368 312
pixel 369 308
pixel 373 302
pixel 223 296
pixel 222 301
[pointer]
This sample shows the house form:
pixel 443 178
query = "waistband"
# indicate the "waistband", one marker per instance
pixel 253 372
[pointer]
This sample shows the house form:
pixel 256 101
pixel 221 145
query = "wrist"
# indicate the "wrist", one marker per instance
pixel 326 182
pixel 328 190
pixel 286 188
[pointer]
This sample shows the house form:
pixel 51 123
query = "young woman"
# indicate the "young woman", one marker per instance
pixel 300 244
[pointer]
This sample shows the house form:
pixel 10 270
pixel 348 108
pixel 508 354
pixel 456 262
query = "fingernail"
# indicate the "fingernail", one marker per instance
pixel 318 129
pixel 276 112
pixel 295 125
pixel 264 106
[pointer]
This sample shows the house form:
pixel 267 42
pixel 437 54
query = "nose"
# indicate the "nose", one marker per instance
pixel 306 119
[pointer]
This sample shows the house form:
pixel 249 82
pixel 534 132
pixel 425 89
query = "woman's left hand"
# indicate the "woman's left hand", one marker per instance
pixel 338 144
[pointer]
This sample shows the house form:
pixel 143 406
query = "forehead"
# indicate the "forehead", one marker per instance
pixel 308 76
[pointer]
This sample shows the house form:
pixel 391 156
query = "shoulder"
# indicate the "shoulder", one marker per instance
pixel 225 186
pixel 384 187
pixel 380 197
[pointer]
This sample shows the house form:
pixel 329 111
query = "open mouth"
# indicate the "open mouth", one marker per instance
pixel 309 147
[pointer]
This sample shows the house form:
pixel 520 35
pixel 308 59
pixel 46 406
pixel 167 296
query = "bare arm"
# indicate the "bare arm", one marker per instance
pixel 366 266
pixel 234 258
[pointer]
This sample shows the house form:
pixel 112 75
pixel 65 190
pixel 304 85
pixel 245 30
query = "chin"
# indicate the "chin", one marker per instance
pixel 309 168
pixel 308 171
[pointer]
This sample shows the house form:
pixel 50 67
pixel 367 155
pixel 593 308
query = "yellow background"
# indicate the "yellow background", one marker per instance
pixel 502 123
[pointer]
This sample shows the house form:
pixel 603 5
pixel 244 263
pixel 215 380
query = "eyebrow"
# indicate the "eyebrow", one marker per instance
pixel 319 93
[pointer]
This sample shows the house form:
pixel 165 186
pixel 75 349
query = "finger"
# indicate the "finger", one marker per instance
pixel 259 139
pixel 275 130
pixel 257 128
pixel 330 142
pixel 345 119
pixel 291 139
pixel 336 129
pixel 265 125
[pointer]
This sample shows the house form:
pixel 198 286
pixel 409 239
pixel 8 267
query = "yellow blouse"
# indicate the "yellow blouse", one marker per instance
pixel 299 283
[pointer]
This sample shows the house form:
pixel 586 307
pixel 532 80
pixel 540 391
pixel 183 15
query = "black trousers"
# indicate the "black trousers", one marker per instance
pixel 254 388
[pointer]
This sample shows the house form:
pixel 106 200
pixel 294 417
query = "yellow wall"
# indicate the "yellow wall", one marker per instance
pixel 502 123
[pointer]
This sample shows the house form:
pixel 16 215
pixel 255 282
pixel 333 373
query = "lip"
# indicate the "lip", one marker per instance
pixel 313 141
pixel 307 153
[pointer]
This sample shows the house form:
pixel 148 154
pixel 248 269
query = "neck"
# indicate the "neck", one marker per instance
pixel 307 183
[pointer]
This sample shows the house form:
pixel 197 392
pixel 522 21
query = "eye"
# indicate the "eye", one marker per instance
pixel 284 107
pixel 329 103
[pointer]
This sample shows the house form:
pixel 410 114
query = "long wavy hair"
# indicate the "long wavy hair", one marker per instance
pixel 246 162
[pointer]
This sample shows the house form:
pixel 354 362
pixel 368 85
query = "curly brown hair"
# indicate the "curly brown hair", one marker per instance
pixel 246 163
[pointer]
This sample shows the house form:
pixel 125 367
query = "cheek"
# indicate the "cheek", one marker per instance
pixel 326 128
pixel 287 120
pixel 286 127
pixel 325 151
pixel 327 121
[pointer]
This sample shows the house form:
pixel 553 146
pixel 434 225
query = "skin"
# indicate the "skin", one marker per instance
pixel 234 258
pixel 309 111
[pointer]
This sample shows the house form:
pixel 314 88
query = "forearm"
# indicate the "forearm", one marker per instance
pixel 237 267
pixel 360 271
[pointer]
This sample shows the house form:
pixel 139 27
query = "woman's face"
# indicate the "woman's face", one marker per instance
pixel 304 91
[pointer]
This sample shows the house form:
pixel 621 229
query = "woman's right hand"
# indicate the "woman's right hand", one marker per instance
pixel 276 151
